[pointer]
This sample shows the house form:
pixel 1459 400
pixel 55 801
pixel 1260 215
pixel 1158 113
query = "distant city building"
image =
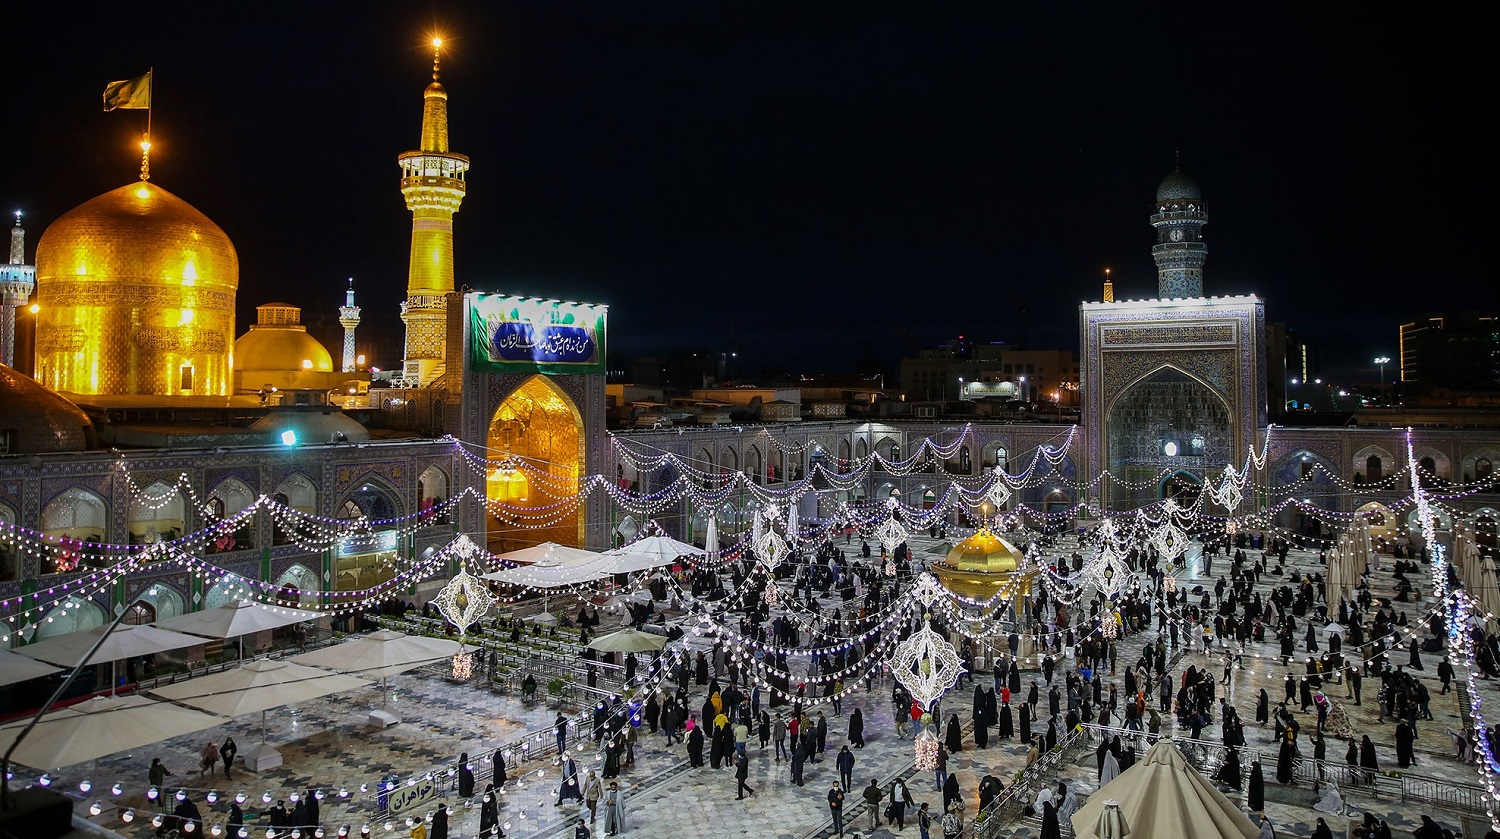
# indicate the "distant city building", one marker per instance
pixel 965 370
pixel 1451 358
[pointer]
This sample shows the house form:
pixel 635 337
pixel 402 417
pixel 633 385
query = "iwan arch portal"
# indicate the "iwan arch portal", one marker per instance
pixel 533 396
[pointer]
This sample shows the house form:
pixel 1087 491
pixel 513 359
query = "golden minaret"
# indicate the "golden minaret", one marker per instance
pixel 432 180
pixel 1109 288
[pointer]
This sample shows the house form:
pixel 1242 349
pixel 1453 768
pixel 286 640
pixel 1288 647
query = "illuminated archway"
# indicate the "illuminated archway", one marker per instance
pixel 539 426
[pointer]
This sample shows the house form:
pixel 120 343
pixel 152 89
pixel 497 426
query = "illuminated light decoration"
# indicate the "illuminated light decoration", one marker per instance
pixel 999 492
pixel 1169 540
pixel 925 749
pixel 1169 583
pixel 926 665
pixel 891 533
pixel 1109 625
pixel 463 667
pixel 465 600
pixel 1230 492
pixel 890 567
pixel 772 594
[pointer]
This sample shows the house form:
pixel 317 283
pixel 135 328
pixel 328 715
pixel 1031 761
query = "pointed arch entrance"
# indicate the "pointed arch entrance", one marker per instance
pixel 531 502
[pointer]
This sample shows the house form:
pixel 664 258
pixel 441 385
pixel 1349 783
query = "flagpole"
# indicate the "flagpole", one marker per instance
pixel 146 145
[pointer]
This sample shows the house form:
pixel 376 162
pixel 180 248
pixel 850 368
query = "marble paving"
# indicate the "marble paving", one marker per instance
pixel 328 744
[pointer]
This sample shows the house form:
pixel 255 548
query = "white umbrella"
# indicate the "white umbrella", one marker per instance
pixel 18 668
pixel 647 553
pixel 1161 795
pixel 552 573
pixel 379 655
pixel 711 539
pixel 126 641
pixel 236 620
pixel 628 641
pixel 101 726
pixel 547 552
pixel 258 686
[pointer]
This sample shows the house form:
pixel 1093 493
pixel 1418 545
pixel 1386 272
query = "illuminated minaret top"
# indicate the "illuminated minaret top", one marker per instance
pixel 432 180
pixel 349 319
pixel 17 281
pixel 1109 288
pixel 1179 251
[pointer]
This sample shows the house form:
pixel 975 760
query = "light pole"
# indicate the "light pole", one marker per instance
pixel 1382 361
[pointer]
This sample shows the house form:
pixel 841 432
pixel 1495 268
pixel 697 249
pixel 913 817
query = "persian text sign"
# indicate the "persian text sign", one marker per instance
pixel 530 335
pixel 404 797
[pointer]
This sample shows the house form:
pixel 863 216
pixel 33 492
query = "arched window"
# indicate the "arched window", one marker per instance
pixel 1374 469
pixel 227 499
pixel 74 516
pixel 298 494
pixel 1483 469
pixel 156 515
pixel 432 491
pixel 10 564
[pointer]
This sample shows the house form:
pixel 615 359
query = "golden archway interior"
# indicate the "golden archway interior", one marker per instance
pixel 539 425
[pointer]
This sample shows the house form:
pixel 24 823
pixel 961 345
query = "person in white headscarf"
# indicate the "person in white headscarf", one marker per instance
pixel 1111 769
pixel 1266 831
pixel 1069 805
pixel 1331 802
pixel 1043 796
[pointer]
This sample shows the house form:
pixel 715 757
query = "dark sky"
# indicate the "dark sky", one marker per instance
pixel 810 184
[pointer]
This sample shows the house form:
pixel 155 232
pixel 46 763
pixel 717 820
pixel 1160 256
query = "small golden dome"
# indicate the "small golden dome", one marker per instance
pixel 436 89
pixel 982 565
pixel 279 343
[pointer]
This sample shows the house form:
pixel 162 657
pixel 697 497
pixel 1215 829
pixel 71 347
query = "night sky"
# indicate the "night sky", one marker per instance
pixel 812 185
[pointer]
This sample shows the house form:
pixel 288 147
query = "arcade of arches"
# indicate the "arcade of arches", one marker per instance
pixel 538 423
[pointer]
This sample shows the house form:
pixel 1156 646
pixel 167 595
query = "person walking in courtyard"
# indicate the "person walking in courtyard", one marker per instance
pixel 873 799
pixel 836 807
pixel 845 764
pixel 227 753
pixel 208 759
pixel 741 773
pixel 614 809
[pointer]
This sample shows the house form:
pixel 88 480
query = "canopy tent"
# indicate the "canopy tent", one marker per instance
pixel 258 686
pixel 380 655
pixel 18 668
pixel 547 552
pixel 1163 796
pixel 100 726
pixel 236 620
pixel 124 641
pixel 645 554
pixel 552 573
pixel 628 641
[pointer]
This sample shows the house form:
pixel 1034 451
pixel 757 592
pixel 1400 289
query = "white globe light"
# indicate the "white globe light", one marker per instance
pixel 1170 449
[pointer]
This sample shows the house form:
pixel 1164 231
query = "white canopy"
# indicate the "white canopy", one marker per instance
pixel 100 726
pixel 549 565
pixel 382 653
pixel 628 641
pixel 650 552
pixel 232 620
pixel 547 552
pixel 1163 796
pixel 126 641
pixel 18 668
pixel 258 686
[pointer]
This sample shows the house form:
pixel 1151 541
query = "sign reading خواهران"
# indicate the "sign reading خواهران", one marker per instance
pixel 529 335
pixel 406 796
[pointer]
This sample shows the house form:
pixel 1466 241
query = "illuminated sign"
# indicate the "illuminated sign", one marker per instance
pixel 360 544
pixel 529 335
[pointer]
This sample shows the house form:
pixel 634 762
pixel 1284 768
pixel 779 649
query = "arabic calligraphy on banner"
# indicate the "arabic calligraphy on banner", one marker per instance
pixel 405 797
pixel 511 334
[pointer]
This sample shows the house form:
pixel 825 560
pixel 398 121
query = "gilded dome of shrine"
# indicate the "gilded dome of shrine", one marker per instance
pixel 139 233
pixel 136 289
pixel 983 565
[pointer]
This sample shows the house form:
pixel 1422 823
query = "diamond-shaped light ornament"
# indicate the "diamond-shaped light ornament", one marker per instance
pixel 464 600
pixel 890 532
pixel 927 665
pixel 1170 540
pixel 1230 491
pixel 999 491
pixel 928 590
pixel 771 549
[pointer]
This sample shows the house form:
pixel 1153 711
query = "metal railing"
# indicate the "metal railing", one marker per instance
pixel 1002 812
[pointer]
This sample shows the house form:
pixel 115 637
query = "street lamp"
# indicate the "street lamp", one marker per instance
pixel 1382 361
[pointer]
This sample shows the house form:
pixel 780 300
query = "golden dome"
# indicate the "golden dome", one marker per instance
pixel 40 421
pixel 277 351
pixel 982 565
pixel 136 289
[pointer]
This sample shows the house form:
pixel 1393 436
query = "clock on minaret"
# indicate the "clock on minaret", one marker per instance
pixel 1176 234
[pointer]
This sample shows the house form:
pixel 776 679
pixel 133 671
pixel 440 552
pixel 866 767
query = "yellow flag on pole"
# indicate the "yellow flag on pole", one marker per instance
pixel 128 93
